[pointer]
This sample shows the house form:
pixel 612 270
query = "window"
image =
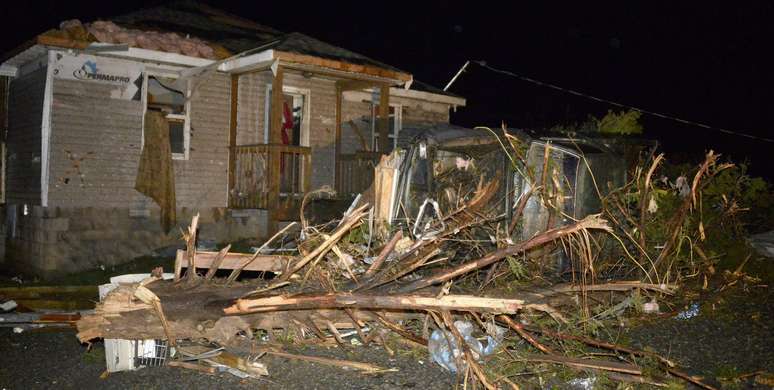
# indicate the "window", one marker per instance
pixel 396 123
pixel 166 95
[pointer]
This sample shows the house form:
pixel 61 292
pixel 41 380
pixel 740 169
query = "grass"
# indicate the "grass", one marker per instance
pixel 94 356
pixel 99 275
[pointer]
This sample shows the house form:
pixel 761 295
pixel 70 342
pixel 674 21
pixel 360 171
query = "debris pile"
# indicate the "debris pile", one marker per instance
pixel 105 31
pixel 460 293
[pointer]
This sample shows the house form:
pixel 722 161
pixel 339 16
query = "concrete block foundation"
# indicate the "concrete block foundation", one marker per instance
pixel 50 241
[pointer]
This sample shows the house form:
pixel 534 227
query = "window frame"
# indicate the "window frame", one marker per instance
pixel 185 117
pixel 397 125
pixel 305 118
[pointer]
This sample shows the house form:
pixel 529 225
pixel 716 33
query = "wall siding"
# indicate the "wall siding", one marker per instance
pixel 25 116
pixel 96 143
pixel 202 181
pixel 95 146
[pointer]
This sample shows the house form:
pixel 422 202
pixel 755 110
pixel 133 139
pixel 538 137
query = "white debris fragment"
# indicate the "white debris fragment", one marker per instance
pixel 652 205
pixel 8 305
pixel 17 329
pixel 462 163
pixel 692 311
pixel 582 383
pixel 403 245
pixel 682 186
pixel 650 307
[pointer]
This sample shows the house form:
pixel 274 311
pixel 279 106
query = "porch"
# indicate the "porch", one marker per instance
pixel 253 173
pixel 283 117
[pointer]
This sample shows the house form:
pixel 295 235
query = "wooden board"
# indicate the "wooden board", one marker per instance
pixel 267 263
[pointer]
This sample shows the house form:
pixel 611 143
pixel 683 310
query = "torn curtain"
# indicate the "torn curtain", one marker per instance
pixel 155 175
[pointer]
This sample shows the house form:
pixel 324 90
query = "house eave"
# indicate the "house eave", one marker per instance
pixel 239 63
pixel 451 101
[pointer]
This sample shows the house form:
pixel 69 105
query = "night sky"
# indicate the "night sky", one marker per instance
pixel 695 61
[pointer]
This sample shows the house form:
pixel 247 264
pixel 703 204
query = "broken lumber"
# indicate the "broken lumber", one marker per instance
pixel 366 367
pixel 399 302
pixel 321 250
pixel 228 359
pixel 587 363
pixel 193 366
pixel 217 262
pixel 591 222
pixel 384 254
pixel 235 273
pixel 231 261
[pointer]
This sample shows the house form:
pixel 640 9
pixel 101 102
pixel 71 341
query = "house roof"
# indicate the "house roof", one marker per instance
pixel 196 19
pixel 425 87
pixel 299 43
pixel 236 35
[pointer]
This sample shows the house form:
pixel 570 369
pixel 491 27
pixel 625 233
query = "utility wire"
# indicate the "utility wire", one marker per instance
pixel 484 65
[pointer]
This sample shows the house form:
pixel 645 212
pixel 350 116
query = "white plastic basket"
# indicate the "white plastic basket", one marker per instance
pixel 125 355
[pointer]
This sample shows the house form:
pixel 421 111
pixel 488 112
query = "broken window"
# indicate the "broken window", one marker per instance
pixel 166 95
pixel 396 119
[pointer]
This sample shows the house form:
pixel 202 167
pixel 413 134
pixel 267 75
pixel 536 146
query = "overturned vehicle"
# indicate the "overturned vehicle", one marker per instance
pixel 543 181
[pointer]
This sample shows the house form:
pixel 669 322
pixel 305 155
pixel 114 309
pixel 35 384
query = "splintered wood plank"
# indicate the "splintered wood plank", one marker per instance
pixel 398 302
pixel 268 263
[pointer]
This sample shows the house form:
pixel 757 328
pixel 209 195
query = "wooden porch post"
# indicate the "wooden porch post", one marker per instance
pixel 338 137
pixel 232 137
pixel 384 117
pixel 275 138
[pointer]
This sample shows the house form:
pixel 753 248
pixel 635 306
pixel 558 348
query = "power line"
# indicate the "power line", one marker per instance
pixel 483 64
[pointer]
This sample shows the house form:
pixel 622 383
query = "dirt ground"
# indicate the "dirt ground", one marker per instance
pixel 730 336
pixel 56 360
pixel 727 341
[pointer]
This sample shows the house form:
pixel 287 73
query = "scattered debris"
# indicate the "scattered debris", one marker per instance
pixel 692 311
pixel 8 305
pixel 434 267
pixel 445 351
pixel 108 32
pixel 650 307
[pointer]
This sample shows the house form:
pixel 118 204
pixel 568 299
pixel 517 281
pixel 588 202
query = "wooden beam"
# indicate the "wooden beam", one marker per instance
pixel 267 263
pixel 357 85
pixel 343 66
pixel 275 138
pixel 383 122
pixel 232 134
pixel 397 302
pixel 49 38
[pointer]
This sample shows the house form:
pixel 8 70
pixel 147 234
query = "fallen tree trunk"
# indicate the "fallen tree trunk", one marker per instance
pixel 199 313
pixel 401 302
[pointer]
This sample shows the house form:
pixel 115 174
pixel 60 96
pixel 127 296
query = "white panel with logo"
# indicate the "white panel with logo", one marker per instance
pixel 125 76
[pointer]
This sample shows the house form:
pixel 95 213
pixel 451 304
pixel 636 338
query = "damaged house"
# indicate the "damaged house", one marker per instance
pixel 119 131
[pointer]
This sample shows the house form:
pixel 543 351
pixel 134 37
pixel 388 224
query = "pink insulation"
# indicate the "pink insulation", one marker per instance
pixel 109 32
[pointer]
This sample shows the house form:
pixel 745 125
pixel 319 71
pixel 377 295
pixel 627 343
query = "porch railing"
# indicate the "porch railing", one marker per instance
pixel 356 171
pixel 252 175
